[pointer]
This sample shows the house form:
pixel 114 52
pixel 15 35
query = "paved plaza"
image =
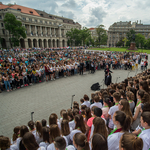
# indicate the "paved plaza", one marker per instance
pixel 47 97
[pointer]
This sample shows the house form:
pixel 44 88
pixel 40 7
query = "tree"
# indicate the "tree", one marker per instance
pixel 147 44
pixel 78 37
pixel 125 41
pixel 84 34
pixel 130 35
pixel 101 33
pixel 140 40
pixel 15 28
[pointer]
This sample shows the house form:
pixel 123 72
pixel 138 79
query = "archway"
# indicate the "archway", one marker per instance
pixel 3 43
pixel 40 42
pixel 54 43
pixel 49 43
pixel 63 43
pixel 29 43
pixel 45 43
pixel 57 43
pixel 34 43
pixel 22 44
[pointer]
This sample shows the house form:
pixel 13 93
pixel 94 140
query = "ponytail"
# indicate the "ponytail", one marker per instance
pixel 16 133
pixel 124 120
pixel 81 141
pixel 130 141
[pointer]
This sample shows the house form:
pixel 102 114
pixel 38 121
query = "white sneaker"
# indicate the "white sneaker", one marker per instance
pixel 54 79
pixel 51 79
pixel 22 85
pixel 65 76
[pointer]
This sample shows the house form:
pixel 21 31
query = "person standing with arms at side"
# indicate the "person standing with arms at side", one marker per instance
pixel 81 67
pixel 106 72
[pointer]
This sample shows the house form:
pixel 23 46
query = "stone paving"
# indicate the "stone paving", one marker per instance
pixel 47 97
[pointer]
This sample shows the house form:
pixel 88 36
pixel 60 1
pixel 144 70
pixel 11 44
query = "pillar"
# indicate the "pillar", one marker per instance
pixel 60 43
pixel 35 31
pixel 26 43
pixel 46 31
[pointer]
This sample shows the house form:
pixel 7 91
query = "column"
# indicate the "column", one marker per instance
pixel 29 29
pixel 54 33
pixel 46 31
pixel 60 43
pixel 41 30
pixel 35 31
pixel 26 44
pixel 50 31
pixel 65 43
pixel 59 32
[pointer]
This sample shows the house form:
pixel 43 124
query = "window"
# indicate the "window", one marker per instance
pixel 30 19
pixel 35 20
pixel 41 15
pixel 0 17
pixel 46 22
pixel 24 18
pixel 19 9
pixel 49 22
pixel 2 25
pixel 3 31
pixel 31 12
pixel 40 21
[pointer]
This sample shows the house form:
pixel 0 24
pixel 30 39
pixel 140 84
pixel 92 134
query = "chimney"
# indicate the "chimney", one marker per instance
pixel 1 3
pixel 140 21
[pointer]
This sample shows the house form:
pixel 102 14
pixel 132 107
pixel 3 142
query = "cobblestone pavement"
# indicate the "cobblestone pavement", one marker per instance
pixel 47 97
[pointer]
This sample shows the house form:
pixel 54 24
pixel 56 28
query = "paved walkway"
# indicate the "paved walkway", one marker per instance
pixel 46 98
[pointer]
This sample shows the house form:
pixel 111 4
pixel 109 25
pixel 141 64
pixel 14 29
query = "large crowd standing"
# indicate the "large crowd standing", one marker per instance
pixel 115 118
pixel 24 67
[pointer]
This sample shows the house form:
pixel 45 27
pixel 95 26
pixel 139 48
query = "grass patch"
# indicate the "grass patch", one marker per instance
pixel 120 50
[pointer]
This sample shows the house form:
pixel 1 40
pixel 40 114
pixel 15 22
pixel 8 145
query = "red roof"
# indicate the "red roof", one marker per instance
pixel 21 8
pixel 91 28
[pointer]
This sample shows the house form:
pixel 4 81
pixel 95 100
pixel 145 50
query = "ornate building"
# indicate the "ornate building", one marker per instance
pixel 42 29
pixel 118 30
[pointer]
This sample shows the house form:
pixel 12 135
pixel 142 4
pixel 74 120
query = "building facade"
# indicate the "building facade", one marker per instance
pixel 42 29
pixel 118 31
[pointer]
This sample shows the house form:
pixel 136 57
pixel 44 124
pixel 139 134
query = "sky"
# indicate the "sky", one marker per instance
pixel 91 13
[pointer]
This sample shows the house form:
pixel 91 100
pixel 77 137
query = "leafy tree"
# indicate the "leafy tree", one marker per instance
pixel 84 33
pixel 130 35
pixel 101 33
pixel 147 44
pixel 15 28
pixel 125 41
pixel 140 40
pixel 120 43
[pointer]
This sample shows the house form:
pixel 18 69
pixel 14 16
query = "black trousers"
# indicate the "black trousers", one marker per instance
pixel 81 71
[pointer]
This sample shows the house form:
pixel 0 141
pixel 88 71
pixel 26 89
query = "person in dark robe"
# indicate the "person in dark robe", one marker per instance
pixel 108 79
pixel 107 70
pixel 81 67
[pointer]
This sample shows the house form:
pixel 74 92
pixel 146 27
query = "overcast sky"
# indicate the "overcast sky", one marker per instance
pixel 90 13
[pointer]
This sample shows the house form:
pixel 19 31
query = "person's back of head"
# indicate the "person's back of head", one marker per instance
pixel 4 143
pixel 29 141
pixel 99 142
pixel 130 141
pixel 60 143
pixel 97 112
pixel 43 122
pixel 31 125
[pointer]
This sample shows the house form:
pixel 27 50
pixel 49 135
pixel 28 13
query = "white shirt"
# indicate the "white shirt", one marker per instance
pixel 18 141
pixel 41 148
pixel 73 132
pixel 111 112
pixel 113 141
pixel 37 137
pixel 87 103
pixel 43 144
pixel 145 136
pixel 97 104
pixel 52 147
pixel 72 124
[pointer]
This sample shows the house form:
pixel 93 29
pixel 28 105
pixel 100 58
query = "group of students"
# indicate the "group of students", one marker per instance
pixel 23 67
pixel 116 118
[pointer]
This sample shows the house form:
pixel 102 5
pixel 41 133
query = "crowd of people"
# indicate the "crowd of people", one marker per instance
pixel 24 67
pixel 115 118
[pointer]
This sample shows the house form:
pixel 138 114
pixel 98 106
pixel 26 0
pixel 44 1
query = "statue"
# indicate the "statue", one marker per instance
pixel 133 37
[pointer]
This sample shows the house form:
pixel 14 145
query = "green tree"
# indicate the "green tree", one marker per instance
pixel 125 41
pixel 140 40
pixel 15 28
pixel 147 44
pixel 101 33
pixel 130 35
pixel 84 34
